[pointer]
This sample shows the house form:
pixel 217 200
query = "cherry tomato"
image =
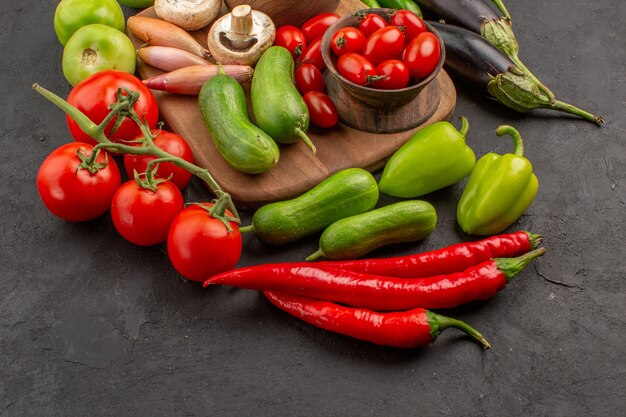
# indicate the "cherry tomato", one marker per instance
pixel 313 55
pixel 356 68
pixel 396 75
pixel 422 55
pixel 143 216
pixel 75 194
pixel 321 109
pixel 93 96
pixel 385 43
pixel 170 143
pixel 200 246
pixel 410 23
pixel 371 23
pixel 316 26
pixel 348 39
pixel 309 78
pixel 292 38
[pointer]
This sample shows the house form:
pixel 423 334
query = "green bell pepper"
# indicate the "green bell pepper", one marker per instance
pixel 434 158
pixel 499 190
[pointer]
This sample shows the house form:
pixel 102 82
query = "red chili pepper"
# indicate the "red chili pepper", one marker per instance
pixel 446 260
pixel 378 292
pixel 406 329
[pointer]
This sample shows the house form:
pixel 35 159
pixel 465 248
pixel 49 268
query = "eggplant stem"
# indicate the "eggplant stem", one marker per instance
pixel 502 9
pixel 571 109
pixel 541 86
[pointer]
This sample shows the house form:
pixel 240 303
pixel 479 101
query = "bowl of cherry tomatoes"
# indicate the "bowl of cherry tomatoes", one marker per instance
pixel 383 58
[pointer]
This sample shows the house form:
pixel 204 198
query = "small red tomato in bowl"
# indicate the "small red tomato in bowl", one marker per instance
pixel 143 216
pixel 199 245
pixel 396 75
pixel 385 43
pixel 170 143
pixel 292 38
pixel 371 23
pixel 410 23
pixel 348 39
pixel 422 55
pixel 73 193
pixel 322 110
pixel 309 78
pixel 357 69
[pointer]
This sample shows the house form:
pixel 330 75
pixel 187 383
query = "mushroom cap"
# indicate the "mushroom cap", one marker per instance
pixel 188 14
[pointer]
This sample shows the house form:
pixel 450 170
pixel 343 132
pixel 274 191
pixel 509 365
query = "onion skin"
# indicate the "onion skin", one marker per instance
pixel 189 80
pixel 169 59
pixel 160 33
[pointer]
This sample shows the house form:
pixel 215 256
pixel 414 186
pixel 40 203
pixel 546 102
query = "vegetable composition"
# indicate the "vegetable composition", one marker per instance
pixel 499 190
pixel 355 236
pixel 278 107
pixel 378 292
pixel 343 194
pixel 435 157
pixel 407 329
pixel 255 151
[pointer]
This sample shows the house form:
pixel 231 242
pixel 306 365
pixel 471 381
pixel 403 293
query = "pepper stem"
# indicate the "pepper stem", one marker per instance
pixel 510 267
pixel 306 140
pixel 535 240
pixel 318 254
pixel 464 127
pixel 518 142
pixel 439 323
pixel 571 109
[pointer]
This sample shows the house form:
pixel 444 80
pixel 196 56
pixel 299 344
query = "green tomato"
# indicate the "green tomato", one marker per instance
pixel 71 15
pixel 137 4
pixel 95 48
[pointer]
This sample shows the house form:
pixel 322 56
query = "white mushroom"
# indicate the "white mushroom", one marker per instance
pixel 241 36
pixel 188 14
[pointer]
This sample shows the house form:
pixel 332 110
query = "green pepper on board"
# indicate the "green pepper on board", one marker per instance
pixel 435 157
pixel 499 190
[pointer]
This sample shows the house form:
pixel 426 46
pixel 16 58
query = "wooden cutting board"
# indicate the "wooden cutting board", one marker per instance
pixel 298 170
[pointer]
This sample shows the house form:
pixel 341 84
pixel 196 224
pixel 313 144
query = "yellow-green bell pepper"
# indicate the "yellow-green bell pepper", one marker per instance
pixel 499 190
pixel 435 157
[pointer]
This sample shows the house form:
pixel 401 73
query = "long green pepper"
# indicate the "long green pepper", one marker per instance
pixel 499 190
pixel 401 5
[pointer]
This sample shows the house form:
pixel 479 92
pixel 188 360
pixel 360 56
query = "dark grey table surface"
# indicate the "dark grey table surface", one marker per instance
pixel 91 325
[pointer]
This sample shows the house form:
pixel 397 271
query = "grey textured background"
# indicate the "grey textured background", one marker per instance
pixel 91 325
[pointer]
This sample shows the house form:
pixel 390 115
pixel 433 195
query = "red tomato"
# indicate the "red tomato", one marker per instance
pixel 422 55
pixel 321 109
pixel 409 23
pixel 396 75
pixel 316 26
pixel 313 55
pixel 75 194
pixel 200 246
pixel 356 68
pixel 371 23
pixel 348 39
pixel 385 43
pixel 170 143
pixel 292 38
pixel 309 78
pixel 93 96
pixel 143 216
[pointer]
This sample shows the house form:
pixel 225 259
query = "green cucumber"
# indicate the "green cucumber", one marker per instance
pixel 243 145
pixel 344 194
pixel 353 237
pixel 276 103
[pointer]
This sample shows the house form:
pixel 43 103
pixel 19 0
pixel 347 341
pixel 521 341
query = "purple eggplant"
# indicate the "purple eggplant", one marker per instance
pixel 472 59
